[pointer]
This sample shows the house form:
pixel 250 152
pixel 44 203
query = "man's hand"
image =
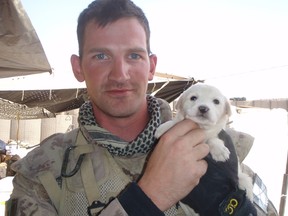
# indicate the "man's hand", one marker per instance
pixel 176 165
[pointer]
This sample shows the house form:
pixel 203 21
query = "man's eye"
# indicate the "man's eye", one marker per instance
pixel 134 56
pixel 101 56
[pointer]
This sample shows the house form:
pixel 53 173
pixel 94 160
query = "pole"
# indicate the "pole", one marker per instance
pixel 284 191
pixel 18 126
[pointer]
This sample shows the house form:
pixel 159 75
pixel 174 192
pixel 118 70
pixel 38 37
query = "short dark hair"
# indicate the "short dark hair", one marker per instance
pixel 108 11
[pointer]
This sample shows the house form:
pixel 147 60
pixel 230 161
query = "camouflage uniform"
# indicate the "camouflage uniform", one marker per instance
pixel 72 171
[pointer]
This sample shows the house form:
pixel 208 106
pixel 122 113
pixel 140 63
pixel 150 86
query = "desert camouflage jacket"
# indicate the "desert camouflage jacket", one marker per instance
pixel 68 174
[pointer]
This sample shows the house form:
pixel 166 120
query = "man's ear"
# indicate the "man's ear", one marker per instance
pixel 153 63
pixel 75 63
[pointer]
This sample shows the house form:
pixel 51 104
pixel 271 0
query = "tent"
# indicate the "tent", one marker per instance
pixel 33 104
pixel 21 52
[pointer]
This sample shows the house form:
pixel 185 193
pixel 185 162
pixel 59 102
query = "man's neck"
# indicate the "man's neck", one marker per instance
pixel 125 128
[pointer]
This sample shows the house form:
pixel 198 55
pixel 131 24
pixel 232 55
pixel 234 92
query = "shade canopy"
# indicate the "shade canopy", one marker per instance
pixel 33 104
pixel 21 52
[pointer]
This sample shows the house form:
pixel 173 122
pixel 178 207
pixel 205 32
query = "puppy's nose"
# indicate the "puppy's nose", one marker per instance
pixel 203 109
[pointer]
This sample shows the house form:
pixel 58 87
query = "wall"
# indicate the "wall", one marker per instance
pixel 5 126
pixel 33 131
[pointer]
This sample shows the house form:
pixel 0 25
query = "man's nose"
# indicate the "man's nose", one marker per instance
pixel 120 70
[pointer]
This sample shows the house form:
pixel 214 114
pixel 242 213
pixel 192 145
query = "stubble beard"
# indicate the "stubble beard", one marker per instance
pixel 120 109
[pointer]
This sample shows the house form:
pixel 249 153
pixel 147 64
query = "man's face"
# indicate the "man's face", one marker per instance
pixel 116 66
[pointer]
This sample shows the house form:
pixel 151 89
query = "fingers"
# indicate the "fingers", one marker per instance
pixel 182 130
pixel 201 168
pixel 176 164
pixel 186 126
pixel 201 150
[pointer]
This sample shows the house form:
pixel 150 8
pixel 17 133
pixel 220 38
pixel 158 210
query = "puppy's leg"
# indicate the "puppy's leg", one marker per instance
pixel 218 150
pixel 245 183
pixel 163 128
pixel 167 125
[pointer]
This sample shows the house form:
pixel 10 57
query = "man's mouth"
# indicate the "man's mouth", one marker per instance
pixel 119 92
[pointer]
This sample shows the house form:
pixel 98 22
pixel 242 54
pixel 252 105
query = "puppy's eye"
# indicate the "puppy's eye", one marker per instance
pixel 193 98
pixel 216 101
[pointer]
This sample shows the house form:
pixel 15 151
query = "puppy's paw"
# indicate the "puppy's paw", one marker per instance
pixel 245 183
pixel 163 128
pixel 159 132
pixel 218 150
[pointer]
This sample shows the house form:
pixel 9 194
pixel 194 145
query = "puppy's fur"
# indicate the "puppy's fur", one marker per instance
pixel 205 105
pixel 210 109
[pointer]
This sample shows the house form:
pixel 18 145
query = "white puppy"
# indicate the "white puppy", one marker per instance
pixel 210 109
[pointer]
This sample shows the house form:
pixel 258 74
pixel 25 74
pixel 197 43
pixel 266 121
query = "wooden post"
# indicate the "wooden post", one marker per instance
pixel 18 125
pixel 284 192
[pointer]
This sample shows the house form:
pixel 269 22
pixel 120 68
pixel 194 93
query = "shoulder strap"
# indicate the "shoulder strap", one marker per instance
pixel 87 173
pixel 51 186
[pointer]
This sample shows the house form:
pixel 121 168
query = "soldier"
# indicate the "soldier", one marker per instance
pixel 103 167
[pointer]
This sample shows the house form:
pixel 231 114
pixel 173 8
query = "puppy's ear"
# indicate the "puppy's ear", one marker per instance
pixel 179 103
pixel 228 108
pixel 179 106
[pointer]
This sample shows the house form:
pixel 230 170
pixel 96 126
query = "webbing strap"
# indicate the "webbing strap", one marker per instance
pixel 83 149
pixel 47 179
pixel 87 172
pixel 89 182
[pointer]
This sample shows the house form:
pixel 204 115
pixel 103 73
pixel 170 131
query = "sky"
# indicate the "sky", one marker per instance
pixel 239 46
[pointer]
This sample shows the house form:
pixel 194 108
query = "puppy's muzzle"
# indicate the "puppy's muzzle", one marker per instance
pixel 203 109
